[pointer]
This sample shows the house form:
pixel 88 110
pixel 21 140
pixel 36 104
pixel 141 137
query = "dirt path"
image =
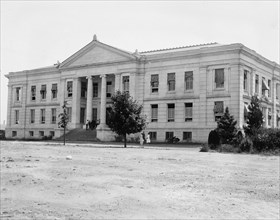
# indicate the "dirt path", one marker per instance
pixel 38 182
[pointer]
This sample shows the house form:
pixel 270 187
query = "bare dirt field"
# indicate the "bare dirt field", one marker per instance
pixel 38 182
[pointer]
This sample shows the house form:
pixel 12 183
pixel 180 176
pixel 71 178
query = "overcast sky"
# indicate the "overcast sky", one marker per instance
pixel 38 33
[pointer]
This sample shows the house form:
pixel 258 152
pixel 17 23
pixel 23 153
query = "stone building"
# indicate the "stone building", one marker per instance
pixel 184 90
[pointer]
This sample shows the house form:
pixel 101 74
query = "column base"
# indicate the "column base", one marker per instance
pixel 104 133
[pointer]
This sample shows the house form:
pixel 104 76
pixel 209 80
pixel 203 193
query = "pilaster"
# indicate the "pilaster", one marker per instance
pixel 89 98
pixel 76 100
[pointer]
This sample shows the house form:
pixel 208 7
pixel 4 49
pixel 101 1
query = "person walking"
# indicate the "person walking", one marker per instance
pixel 148 138
pixel 141 139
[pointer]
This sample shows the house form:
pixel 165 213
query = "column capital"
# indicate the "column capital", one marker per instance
pixel 103 76
pixel 88 77
pixel 117 74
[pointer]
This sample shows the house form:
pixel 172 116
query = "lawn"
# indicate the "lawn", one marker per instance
pixel 101 182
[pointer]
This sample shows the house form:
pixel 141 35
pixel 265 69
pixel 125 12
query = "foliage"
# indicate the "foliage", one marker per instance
pixel 246 145
pixel 125 115
pixel 63 119
pixel 228 148
pixel 226 127
pixel 47 137
pixel 204 148
pixel 266 140
pixel 173 140
pixel 213 139
pixel 254 118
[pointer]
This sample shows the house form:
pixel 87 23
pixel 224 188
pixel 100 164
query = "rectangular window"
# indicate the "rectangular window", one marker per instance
pixel 269 87
pixel 171 112
pixel 187 136
pixel 52 133
pixel 33 93
pixel 41 133
pixel 54 91
pixel 69 89
pixel 154 115
pixel 189 80
pixel 83 89
pixel 188 111
pixel 32 116
pixel 219 78
pixel 31 133
pixel 43 92
pixel 264 86
pixel 218 110
pixel 153 135
pixel 154 83
pixel 69 113
pixel 82 115
pixel 94 114
pixel 95 90
pixel 269 117
pixel 16 116
pixel 169 135
pixel 109 89
pixel 53 115
pixel 14 133
pixel 126 83
pixel 171 81
pixel 18 95
pixel 245 81
pixel 257 84
pixel 43 116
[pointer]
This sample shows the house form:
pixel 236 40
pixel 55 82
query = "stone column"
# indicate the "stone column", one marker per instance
pixel 132 85
pixel 103 102
pixel 117 81
pixel 89 98
pixel 104 133
pixel 76 102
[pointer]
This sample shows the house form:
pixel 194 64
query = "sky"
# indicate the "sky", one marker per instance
pixel 40 33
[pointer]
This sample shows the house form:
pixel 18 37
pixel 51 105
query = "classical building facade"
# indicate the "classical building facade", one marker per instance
pixel 184 90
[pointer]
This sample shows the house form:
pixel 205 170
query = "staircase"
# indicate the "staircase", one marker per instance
pixel 79 134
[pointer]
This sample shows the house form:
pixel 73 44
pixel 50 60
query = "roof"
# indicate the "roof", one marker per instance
pixel 183 48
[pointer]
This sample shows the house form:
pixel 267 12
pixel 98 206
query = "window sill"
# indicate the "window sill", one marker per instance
pixel 219 89
pixel 189 91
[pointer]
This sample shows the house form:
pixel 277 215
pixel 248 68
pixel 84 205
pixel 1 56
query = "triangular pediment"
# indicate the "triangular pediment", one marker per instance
pixel 96 53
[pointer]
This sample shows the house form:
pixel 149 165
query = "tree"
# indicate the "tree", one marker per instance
pixel 64 119
pixel 226 127
pixel 125 116
pixel 254 118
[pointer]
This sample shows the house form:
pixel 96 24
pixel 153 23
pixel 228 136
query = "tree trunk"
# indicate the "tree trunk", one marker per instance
pixel 124 140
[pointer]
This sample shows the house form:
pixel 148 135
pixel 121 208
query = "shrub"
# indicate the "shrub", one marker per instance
pixel 228 148
pixel 213 140
pixel 204 148
pixel 173 140
pixel 119 138
pixel 246 145
pixel 266 140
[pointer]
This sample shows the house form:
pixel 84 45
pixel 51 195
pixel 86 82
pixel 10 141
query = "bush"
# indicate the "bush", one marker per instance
pixel 246 145
pixel 173 140
pixel 204 148
pixel 266 140
pixel 47 137
pixel 119 138
pixel 228 148
pixel 213 140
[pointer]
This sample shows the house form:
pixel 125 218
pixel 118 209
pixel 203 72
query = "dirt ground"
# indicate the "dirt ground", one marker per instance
pixel 39 182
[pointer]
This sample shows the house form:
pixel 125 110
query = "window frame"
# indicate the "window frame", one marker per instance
pixel 32 116
pixel 154 110
pixel 188 105
pixel 125 83
pixel 43 92
pixel 185 134
pixel 171 81
pixel 172 113
pixel 95 89
pixel 188 77
pixel 43 116
pixel 54 91
pixel 216 78
pixel 154 83
pixel 33 93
